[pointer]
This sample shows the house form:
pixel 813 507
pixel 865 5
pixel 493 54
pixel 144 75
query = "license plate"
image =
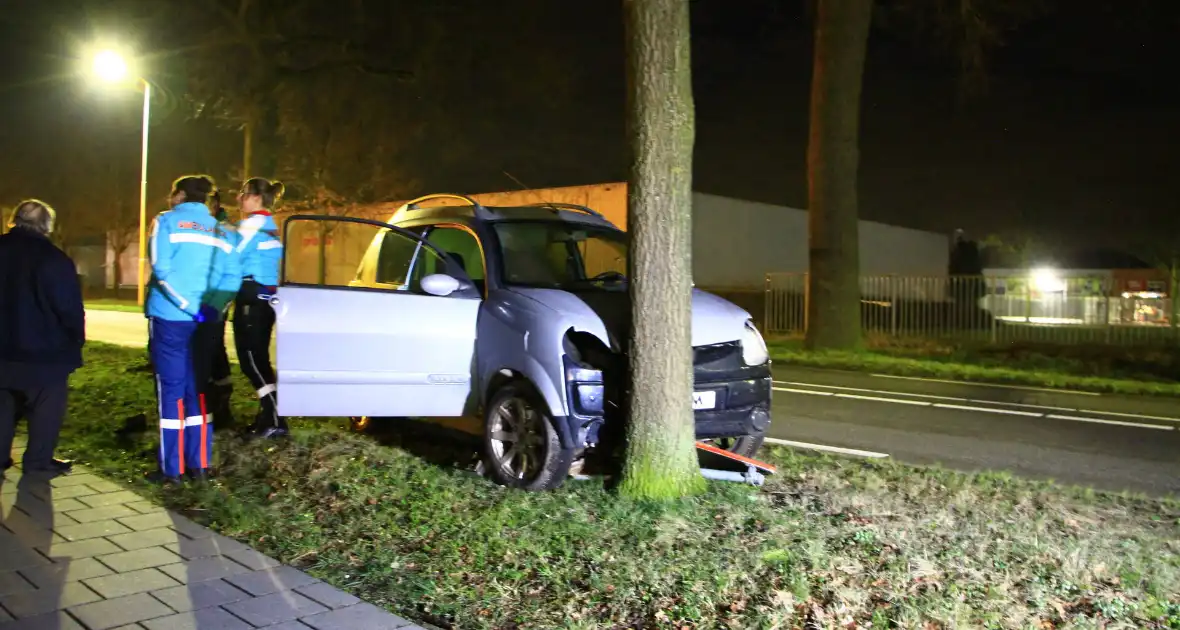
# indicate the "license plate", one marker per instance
pixel 704 400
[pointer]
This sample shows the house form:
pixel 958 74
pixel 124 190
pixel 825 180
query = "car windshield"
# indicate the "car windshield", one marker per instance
pixel 559 255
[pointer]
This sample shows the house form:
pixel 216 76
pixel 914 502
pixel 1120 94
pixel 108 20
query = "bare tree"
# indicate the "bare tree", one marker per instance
pixel 660 457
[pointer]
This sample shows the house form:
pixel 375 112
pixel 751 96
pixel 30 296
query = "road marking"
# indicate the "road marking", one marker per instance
pixel 824 447
pixel 917 403
pixel 996 410
pixel 801 391
pixel 1158 427
pixel 996 385
pixel 976 401
pixel 1011 412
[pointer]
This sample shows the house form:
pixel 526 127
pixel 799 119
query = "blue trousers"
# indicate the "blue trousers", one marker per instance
pixel 186 430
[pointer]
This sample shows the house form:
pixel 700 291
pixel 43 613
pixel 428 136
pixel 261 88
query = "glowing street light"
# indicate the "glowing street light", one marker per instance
pixel 111 67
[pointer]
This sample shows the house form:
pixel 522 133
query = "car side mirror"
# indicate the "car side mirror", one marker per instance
pixel 440 284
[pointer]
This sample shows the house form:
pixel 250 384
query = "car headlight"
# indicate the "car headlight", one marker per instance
pixel 754 350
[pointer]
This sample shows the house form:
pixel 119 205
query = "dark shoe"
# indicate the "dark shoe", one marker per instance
pixel 54 466
pixel 158 477
pixel 199 474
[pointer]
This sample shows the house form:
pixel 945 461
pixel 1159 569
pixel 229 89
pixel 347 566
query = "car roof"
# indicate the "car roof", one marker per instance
pixel 472 211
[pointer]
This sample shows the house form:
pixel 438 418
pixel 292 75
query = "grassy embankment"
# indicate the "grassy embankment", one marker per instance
pixel 831 543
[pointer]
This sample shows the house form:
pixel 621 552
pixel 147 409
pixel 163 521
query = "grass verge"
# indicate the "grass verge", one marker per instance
pixel 827 543
pixel 1131 372
pixel 111 304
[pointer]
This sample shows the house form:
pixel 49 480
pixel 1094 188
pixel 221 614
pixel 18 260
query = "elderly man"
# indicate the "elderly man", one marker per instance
pixel 42 329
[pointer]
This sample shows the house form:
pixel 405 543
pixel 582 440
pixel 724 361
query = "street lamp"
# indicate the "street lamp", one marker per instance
pixel 111 67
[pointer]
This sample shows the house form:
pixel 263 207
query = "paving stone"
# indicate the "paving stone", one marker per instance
pixel 275 608
pixel 80 549
pixel 203 569
pixel 200 595
pixel 46 491
pixel 5 617
pixel 74 479
pixel 52 621
pixel 121 584
pixel 103 513
pixel 110 498
pixel 138 559
pixel 112 613
pixel 102 485
pixel 204 619
pixel 140 522
pixel 254 559
pixel 271 580
pixel 18 558
pixel 328 595
pixel 95 529
pixel 133 626
pixel 33 603
pixel 13 582
pixel 58 573
pixel 161 536
pixel 362 615
pixel 215 545
pixel 146 507
pixel 289 625
pixel 189 528
pixel 28 530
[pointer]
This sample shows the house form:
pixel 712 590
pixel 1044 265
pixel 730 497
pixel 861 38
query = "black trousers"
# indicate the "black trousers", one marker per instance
pixel 211 370
pixel 254 323
pixel 44 407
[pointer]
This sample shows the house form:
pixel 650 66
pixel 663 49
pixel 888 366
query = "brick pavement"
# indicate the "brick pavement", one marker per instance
pixel 78 552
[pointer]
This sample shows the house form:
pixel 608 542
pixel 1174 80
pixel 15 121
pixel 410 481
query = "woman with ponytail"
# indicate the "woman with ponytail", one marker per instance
pixel 260 255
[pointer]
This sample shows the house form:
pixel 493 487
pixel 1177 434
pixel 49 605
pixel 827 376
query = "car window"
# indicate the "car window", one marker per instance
pixel 332 252
pixel 463 248
pixel 395 258
pixel 554 254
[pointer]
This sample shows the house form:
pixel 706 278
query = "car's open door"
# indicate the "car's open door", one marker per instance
pixel 400 346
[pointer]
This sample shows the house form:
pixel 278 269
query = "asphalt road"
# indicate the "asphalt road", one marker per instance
pixel 1108 442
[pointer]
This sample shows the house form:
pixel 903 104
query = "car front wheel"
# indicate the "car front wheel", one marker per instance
pixel 521 447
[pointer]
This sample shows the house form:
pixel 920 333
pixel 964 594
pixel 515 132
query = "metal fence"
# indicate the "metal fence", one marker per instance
pixel 985 309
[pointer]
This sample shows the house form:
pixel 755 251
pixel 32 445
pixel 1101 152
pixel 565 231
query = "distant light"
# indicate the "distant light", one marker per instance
pixel 109 65
pixel 1047 280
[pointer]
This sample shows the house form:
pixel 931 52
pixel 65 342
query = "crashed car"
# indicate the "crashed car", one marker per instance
pixel 515 315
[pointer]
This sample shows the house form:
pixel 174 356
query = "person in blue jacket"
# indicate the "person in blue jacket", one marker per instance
pixel 211 365
pixel 188 257
pixel 261 255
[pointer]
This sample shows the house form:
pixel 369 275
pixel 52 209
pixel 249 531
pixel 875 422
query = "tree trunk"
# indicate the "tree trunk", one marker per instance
pixel 661 460
pixel 841 37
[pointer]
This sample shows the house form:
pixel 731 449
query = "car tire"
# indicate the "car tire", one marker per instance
pixel 514 416
pixel 746 445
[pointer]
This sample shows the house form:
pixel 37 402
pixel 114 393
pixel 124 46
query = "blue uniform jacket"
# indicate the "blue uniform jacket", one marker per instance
pixel 226 288
pixel 188 256
pixel 260 249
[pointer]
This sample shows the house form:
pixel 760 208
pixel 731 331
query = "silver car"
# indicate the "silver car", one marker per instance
pixel 514 315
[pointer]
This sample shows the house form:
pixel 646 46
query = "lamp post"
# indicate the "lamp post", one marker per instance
pixel 111 67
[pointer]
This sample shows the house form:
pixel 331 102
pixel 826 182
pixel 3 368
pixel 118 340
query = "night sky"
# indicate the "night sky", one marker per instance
pixel 1072 144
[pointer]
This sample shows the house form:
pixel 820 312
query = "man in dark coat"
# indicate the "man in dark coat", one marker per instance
pixel 42 330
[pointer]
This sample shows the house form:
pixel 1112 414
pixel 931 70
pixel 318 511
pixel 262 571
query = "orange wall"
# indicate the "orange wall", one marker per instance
pixel 608 199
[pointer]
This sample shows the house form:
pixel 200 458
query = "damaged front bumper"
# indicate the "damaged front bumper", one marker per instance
pixel 729 400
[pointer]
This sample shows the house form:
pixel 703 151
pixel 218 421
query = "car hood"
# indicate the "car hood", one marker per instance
pixel 606 314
